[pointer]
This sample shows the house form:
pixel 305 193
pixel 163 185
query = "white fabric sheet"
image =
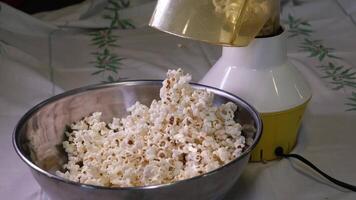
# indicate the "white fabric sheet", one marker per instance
pixel 48 53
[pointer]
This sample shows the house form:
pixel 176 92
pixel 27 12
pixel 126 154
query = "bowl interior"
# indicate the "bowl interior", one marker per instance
pixel 39 134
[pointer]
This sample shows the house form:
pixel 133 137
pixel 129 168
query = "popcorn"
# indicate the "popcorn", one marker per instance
pixel 180 136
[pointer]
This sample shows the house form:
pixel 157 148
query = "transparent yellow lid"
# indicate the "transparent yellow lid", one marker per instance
pixel 223 22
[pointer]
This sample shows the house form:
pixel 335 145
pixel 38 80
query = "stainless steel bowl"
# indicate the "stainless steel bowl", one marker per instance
pixel 38 136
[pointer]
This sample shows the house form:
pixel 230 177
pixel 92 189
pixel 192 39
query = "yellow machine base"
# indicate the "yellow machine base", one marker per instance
pixel 280 129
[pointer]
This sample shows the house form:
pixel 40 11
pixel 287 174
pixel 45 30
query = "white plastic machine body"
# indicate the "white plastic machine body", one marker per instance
pixel 261 74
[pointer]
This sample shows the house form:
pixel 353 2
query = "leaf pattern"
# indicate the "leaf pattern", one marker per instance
pixel 317 49
pixel 339 76
pixel 298 27
pixel 294 2
pixel 352 103
pixel 106 61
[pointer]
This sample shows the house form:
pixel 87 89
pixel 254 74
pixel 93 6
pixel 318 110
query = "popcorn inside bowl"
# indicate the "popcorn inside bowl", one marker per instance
pixel 180 136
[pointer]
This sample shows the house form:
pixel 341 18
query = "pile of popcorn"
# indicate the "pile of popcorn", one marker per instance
pixel 180 136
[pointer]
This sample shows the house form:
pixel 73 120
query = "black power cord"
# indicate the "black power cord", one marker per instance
pixel 279 152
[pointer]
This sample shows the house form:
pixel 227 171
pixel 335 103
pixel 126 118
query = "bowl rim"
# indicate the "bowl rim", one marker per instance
pixel 33 110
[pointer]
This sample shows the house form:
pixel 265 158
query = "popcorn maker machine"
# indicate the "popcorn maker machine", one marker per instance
pixel 253 64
